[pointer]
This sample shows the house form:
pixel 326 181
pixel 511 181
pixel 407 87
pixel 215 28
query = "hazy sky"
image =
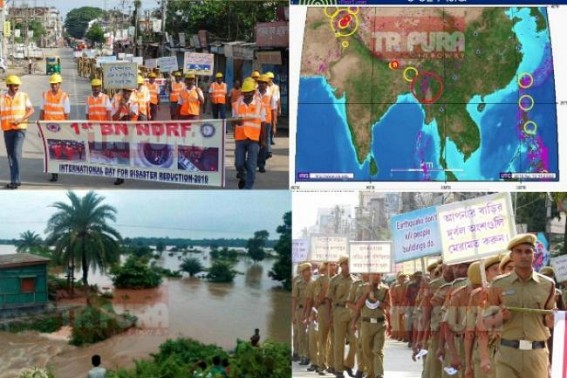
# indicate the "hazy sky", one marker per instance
pixel 65 6
pixel 306 204
pixel 173 213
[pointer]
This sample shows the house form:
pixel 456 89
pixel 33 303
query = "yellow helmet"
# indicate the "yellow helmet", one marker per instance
pixel 55 78
pixel 264 78
pixel 249 85
pixel 270 74
pixel 152 75
pixel 218 75
pixel 13 80
pixel 140 79
pixel 177 74
pixel 96 83
pixel 255 74
pixel 190 75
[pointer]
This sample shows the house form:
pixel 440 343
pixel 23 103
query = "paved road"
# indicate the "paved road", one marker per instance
pixel 78 89
pixel 397 363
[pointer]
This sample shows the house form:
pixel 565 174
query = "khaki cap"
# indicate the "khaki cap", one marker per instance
pixel 304 266
pixel 343 259
pixel 505 261
pixel 473 273
pixel 547 271
pixel 522 239
pixel 491 261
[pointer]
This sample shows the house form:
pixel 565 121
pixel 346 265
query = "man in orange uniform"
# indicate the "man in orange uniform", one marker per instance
pixel 190 99
pixel 271 107
pixel 55 106
pixel 218 92
pixel 15 109
pixel 98 104
pixel 143 99
pixel 234 93
pixel 175 87
pixel 153 87
pixel 247 133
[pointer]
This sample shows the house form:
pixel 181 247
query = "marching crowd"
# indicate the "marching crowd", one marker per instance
pixel 255 105
pixel 491 318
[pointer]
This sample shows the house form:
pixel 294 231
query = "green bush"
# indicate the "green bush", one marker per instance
pixel 135 274
pixel 192 266
pixel 98 322
pixel 221 271
pixel 45 325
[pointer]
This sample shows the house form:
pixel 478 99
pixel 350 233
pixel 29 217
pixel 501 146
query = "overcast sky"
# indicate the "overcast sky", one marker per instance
pixel 174 213
pixel 306 204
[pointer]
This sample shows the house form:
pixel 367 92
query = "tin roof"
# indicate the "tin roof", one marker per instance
pixel 21 259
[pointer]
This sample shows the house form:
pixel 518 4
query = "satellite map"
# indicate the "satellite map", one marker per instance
pixel 426 94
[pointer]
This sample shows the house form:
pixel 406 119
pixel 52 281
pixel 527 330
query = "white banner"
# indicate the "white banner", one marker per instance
pixel 328 248
pixel 105 59
pixel 299 250
pixel 118 75
pixel 167 63
pixel 477 228
pixel 201 64
pixel 186 152
pixel 559 264
pixel 559 366
pixel 370 257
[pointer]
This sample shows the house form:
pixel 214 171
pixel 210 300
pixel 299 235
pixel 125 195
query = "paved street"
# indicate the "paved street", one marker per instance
pixel 78 89
pixel 397 363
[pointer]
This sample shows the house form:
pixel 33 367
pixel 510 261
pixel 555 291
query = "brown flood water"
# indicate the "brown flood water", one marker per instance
pixel 186 307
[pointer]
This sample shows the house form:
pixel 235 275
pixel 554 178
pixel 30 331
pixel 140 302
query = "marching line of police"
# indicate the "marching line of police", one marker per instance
pixel 456 325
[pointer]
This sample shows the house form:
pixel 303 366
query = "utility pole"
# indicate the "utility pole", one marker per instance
pixel 163 19
pixel 2 21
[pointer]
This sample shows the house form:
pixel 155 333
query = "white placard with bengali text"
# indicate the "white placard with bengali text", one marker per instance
pixel 370 257
pixel 299 250
pixel 328 248
pixel 477 228
pixel 167 63
pixel 559 264
pixel 118 75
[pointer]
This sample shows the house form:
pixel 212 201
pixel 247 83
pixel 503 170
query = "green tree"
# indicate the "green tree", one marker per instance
pixel 228 20
pixel 281 271
pixel 77 20
pixel 191 266
pixel 80 233
pixel 135 274
pixel 29 242
pixel 256 245
pixel 160 247
pixel 221 271
pixel 95 34
pixel 559 198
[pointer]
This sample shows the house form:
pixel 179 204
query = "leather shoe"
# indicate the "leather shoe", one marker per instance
pixel 305 361
pixel 349 371
pixel 295 356
pixel 241 184
pixel 54 177
pixel 313 368
pixel 358 374
pixel 262 170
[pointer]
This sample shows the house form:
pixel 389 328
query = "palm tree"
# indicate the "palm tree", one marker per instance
pixel 29 242
pixel 80 233
pixel 191 266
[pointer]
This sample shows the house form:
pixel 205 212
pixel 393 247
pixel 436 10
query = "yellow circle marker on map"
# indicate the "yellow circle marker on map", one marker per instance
pixel 406 78
pixel 522 80
pixel 354 10
pixel 530 128
pixel 345 44
pixel 334 13
pixel 526 97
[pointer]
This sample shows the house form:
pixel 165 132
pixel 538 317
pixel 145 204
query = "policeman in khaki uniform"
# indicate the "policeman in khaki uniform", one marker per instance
pixel 298 297
pixel 295 325
pixel 356 291
pixel 523 352
pixel 310 313
pixel 474 335
pixel 372 307
pixel 339 289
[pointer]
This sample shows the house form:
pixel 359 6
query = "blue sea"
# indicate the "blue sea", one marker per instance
pixel 402 141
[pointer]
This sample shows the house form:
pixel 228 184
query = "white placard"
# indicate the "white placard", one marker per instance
pixel 328 248
pixel 477 228
pixel 201 64
pixel 559 264
pixel 167 63
pixel 299 250
pixel 370 257
pixel 150 63
pixel 120 75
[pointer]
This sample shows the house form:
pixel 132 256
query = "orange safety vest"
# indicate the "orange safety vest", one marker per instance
pixel 124 111
pixel 12 108
pixel 234 94
pixel 142 96
pixel 218 95
pixel 176 88
pixel 250 128
pixel 154 92
pixel 191 102
pixel 267 102
pixel 97 107
pixel 53 109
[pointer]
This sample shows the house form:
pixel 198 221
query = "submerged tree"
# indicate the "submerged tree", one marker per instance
pixel 281 271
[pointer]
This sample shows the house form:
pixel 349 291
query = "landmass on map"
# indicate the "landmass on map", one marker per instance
pixel 460 53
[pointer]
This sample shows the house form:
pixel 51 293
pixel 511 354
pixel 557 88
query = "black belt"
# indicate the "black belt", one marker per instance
pixel 300 306
pixel 340 304
pixel 373 320
pixel 523 344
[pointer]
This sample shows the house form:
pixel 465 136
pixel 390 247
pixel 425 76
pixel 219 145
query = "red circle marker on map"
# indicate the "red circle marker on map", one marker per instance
pixel 427 76
pixel 345 20
pixel 394 64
